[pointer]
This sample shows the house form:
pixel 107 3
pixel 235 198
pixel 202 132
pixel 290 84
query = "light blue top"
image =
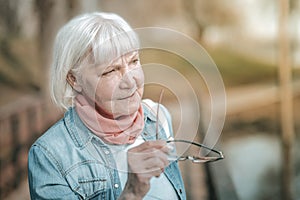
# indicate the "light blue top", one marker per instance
pixel 70 162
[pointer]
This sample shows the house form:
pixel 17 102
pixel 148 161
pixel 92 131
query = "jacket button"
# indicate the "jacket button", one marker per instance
pixel 106 152
pixel 116 185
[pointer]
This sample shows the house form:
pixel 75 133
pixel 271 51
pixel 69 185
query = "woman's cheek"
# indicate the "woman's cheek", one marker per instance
pixel 140 79
pixel 105 89
pixel 89 87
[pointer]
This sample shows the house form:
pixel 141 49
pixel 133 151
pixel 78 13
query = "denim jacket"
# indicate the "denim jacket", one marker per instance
pixel 70 162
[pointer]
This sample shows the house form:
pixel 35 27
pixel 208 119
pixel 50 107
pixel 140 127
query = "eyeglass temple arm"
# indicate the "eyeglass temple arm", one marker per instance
pixel 157 112
pixel 199 145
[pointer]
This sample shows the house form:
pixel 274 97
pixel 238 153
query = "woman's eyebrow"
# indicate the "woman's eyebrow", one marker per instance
pixel 134 54
pixel 114 65
pixel 111 67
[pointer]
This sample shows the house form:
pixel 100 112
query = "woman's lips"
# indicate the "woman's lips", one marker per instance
pixel 131 95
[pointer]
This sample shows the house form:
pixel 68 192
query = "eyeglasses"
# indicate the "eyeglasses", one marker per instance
pixel 176 144
pixel 195 158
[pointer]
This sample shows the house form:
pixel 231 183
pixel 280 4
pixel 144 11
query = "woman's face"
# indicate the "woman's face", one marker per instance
pixel 116 89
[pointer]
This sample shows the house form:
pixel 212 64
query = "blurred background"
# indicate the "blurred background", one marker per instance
pixel 255 45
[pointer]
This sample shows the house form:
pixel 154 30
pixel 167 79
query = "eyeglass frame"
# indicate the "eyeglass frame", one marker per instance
pixel 198 159
pixel 194 159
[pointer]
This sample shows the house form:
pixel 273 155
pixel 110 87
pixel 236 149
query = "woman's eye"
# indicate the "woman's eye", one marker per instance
pixel 108 72
pixel 135 61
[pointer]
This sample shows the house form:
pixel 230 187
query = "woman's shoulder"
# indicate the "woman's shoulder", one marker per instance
pixel 54 145
pixel 52 137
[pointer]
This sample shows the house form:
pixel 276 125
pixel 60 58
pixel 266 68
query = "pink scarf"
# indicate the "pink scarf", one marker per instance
pixel 114 131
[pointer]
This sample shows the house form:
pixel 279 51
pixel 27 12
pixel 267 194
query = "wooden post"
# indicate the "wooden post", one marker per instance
pixel 286 101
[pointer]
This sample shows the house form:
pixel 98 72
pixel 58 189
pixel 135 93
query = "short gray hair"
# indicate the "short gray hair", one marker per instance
pixel 101 36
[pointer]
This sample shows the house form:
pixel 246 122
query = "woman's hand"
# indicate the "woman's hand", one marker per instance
pixel 144 162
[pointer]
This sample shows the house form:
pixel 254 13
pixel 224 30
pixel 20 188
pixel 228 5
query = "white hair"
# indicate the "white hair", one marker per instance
pixel 100 37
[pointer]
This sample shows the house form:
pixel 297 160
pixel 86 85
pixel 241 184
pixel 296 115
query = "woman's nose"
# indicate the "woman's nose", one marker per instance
pixel 128 80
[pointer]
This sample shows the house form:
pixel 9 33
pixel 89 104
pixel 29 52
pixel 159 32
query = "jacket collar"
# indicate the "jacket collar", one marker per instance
pixel 79 133
pixel 149 114
pixel 149 132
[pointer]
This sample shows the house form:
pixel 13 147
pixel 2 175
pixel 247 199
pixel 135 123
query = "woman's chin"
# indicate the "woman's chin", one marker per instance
pixel 128 108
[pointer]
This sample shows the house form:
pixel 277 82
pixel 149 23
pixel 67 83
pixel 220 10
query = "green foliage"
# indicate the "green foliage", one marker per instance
pixel 237 69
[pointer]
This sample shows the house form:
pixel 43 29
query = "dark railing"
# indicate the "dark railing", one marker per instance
pixel 21 122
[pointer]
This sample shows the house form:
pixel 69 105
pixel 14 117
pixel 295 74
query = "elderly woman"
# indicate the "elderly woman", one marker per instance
pixel 105 145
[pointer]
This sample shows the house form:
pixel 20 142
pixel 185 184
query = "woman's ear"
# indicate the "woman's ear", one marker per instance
pixel 71 79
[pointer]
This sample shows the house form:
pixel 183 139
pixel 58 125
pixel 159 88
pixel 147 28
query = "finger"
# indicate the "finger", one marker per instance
pixel 147 149
pixel 148 154
pixel 158 172
pixel 158 144
pixel 155 163
pixel 142 164
pixel 166 149
pixel 149 173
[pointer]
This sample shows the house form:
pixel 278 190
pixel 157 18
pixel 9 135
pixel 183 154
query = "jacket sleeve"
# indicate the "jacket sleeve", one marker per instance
pixel 45 177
